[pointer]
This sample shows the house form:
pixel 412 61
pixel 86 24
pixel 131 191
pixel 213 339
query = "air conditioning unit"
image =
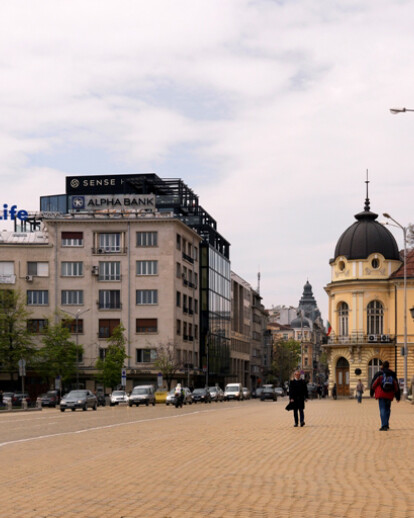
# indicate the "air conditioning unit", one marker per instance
pixel 95 270
pixel 29 278
pixel 372 338
pixel 385 338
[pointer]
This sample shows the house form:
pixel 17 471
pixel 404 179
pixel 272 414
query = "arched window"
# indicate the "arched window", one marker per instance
pixel 375 318
pixel 343 319
pixel 373 367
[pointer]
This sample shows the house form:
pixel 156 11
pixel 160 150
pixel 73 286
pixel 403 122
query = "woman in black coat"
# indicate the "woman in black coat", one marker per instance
pixel 298 394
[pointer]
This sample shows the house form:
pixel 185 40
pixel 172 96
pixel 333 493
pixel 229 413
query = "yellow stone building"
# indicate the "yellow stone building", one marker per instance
pixel 366 305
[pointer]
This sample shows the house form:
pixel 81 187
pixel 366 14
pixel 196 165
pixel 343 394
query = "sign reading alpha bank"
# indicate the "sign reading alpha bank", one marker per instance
pixel 117 202
pixel 114 184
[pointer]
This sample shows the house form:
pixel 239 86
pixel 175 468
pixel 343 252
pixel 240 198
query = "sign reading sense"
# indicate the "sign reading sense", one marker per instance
pixel 115 184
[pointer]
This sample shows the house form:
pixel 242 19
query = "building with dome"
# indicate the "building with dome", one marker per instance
pixel 366 304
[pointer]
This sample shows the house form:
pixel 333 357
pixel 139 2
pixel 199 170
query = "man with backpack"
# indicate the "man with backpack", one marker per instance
pixel 385 386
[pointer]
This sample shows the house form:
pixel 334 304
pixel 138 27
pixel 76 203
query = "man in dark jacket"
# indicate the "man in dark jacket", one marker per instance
pixel 298 393
pixel 385 386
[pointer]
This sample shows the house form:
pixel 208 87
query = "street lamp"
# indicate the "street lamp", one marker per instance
pixel 395 111
pixel 77 315
pixel 404 229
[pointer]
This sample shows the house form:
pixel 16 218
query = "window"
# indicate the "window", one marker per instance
pixel 185 334
pixel 72 238
pixel 37 297
pixel 72 297
pixel 185 306
pixel 7 272
pixel 375 317
pixel 37 325
pixel 102 353
pixel 178 270
pixel 146 325
pixel 178 242
pixel 196 306
pixel 178 327
pixel 147 238
pixel 375 263
pixel 373 367
pixel 109 242
pixel 107 326
pixel 39 269
pixel 146 355
pixel 72 269
pixel 147 297
pixel 71 325
pixel 178 299
pixel 109 299
pixel 147 267
pixel 110 271
pixel 343 319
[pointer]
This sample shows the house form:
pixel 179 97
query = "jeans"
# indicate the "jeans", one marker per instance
pixel 295 415
pixel 385 411
pixel 359 397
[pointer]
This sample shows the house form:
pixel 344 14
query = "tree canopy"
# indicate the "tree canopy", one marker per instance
pixel 109 368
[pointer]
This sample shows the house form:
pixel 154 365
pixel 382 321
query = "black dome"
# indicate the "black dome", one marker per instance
pixel 366 236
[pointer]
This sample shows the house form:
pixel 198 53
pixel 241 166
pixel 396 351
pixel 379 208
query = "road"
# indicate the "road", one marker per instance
pixel 219 460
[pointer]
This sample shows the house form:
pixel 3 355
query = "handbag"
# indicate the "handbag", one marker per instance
pixel 290 406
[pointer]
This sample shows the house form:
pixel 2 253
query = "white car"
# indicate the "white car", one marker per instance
pixel 118 396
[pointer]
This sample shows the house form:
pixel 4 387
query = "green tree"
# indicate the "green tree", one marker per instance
pixel 109 368
pixel 167 362
pixel 59 354
pixel 286 357
pixel 16 341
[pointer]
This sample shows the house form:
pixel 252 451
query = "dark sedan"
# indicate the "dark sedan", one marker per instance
pixel 51 398
pixel 18 397
pixel 83 399
pixel 201 395
pixel 268 393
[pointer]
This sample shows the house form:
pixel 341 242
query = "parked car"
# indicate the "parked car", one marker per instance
pixel 279 391
pixel 7 397
pixel 18 397
pixel 257 392
pixel 142 395
pixel 118 396
pixel 216 394
pixel 312 390
pixel 160 395
pixel 83 399
pixel 201 395
pixel 51 398
pixel 233 391
pixel 268 393
pixel 246 393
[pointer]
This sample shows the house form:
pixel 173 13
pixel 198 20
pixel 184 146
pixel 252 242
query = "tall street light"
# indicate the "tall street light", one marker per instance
pixel 404 229
pixel 395 111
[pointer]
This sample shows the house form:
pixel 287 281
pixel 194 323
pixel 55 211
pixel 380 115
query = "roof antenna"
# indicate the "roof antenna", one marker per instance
pixel 258 282
pixel 367 206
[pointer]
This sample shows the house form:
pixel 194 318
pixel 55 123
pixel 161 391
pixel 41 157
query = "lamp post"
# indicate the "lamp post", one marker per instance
pixel 404 229
pixel 77 315
pixel 395 111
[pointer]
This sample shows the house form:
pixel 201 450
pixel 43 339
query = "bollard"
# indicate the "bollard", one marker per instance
pixel 9 404
pixel 24 404
pixel 38 403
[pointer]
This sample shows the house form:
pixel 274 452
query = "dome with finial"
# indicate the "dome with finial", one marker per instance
pixel 367 236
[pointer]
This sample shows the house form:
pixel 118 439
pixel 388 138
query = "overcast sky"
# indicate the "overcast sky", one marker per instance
pixel 271 111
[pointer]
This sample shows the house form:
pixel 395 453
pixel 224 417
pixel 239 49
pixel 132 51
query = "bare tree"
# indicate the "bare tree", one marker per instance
pixel 167 362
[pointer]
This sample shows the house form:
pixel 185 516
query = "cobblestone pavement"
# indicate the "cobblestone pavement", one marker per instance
pixel 221 460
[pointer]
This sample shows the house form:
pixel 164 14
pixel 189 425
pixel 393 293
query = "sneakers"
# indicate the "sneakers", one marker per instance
pixel 302 423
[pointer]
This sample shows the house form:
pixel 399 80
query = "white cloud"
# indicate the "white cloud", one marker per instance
pixel 278 107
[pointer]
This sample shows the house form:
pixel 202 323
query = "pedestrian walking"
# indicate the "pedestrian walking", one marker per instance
pixel 385 387
pixel 298 394
pixel 359 391
pixel 334 391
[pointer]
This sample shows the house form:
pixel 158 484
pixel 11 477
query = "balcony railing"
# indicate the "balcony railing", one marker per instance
pixel 356 339
pixel 109 250
pixel 188 258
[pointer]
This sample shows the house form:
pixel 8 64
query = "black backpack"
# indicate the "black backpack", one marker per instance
pixel 387 383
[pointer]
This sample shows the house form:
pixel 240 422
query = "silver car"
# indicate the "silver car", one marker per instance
pixel 118 396
pixel 142 395
pixel 83 399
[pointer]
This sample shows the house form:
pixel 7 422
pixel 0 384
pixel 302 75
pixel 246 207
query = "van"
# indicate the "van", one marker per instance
pixel 233 391
pixel 142 395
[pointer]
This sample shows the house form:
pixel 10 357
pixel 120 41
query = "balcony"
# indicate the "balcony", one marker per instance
pixel 188 258
pixel 109 250
pixel 109 306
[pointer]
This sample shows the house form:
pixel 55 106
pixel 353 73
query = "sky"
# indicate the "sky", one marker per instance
pixel 271 111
